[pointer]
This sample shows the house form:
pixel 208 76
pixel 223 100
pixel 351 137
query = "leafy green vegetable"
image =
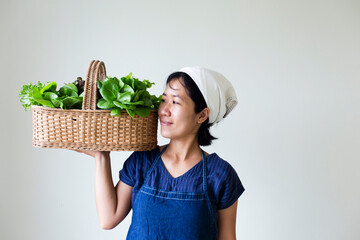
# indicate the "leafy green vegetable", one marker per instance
pixel 69 90
pixel 127 89
pixel 125 97
pixel 72 102
pixel 37 97
pixel 115 112
pixel 46 95
pixel 51 87
pixel 130 112
pixel 127 93
pixel 50 96
pixel 142 111
pixel 58 103
pixel 26 94
pixel 119 104
pixel 103 104
pixel 110 89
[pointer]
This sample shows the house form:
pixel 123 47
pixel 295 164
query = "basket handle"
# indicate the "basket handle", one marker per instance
pixel 96 71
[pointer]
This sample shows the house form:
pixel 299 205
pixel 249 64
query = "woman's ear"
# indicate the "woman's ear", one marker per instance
pixel 203 115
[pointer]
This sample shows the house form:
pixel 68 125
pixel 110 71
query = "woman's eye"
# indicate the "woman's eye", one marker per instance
pixel 162 100
pixel 174 102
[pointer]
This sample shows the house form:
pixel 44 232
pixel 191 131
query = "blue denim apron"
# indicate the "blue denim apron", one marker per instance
pixel 159 214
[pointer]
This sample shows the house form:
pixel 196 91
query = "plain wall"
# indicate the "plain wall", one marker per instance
pixel 293 138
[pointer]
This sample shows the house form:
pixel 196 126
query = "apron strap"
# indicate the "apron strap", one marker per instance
pixel 206 190
pixel 154 163
pixel 204 172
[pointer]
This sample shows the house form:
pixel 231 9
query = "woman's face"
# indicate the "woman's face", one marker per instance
pixel 178 119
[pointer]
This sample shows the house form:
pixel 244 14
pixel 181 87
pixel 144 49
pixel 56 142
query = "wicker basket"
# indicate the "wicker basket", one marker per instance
pixel 90 128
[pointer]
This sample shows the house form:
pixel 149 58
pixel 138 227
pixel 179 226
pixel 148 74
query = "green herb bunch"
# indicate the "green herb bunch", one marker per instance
pixel 127 93
pixel 67 97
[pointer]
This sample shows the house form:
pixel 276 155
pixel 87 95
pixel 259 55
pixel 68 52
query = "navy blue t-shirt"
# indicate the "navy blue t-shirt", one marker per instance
pixel 224 185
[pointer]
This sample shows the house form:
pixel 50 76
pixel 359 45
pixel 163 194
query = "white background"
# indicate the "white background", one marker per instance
pixel 293 139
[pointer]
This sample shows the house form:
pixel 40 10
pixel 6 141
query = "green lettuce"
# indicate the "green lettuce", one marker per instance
pixel 127 93
pixel 46 95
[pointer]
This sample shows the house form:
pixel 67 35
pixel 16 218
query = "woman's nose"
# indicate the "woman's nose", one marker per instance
pixel 164 109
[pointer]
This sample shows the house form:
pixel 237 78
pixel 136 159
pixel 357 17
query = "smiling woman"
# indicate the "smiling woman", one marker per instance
pixel 188 95
pixel 178 189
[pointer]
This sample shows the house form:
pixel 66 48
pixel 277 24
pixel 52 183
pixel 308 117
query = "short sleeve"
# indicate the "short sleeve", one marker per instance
pixel 231 188
pixel 128 173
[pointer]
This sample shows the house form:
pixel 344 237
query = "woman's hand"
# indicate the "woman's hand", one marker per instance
pixel 92 153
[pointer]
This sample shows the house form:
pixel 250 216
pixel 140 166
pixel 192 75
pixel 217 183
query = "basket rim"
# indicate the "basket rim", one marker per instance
pixel 80 110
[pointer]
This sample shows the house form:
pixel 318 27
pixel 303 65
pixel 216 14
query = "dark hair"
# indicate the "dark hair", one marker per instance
pixel 204 136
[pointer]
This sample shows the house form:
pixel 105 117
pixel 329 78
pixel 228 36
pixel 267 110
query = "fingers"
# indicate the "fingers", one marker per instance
pixel 87 152
pixel 92 153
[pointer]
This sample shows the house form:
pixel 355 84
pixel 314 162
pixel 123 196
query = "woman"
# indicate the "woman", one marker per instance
pixel 176 191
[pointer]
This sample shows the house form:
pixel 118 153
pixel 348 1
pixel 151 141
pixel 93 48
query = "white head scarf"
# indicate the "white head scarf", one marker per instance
pixel 218 92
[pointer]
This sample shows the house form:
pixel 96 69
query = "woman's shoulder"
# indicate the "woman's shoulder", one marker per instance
pixel 140 161
pixel 219 168
pixel 136 166
pixel 217 163
pixel 225 184
pixel 145 156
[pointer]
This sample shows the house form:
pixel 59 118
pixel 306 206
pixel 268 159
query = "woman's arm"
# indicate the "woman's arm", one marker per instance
pixel 113 203
pixel 227 223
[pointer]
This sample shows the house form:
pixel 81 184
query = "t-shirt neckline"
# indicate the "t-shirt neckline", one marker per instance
pixel 184 174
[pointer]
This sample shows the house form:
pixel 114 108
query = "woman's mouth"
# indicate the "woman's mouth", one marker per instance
pixel 164 123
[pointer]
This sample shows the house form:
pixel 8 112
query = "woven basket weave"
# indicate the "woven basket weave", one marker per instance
pixel 90 128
